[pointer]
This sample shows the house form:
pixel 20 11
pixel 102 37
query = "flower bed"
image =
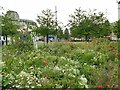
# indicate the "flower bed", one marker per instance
pixel 62 65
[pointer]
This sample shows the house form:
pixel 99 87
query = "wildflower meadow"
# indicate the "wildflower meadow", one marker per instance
pixel 61 65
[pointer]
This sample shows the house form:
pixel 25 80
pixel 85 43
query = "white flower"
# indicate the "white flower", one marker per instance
pixel 72 61
pixel 27 86
pixel 56 68
pixel 63 58
pixel 66 65
pixel 86 86
pixel 63 71
pixel 1 63
pixel 71 75
pixel 83 79
pixel 77 71
pixel 16 80
pixel 22 73
pixel 68 59
pixel 31 67
pixel 74 70
pixel 17 86
pixel 32 86
pixel 29 82
pixel 93 66
pixel 39 85
pixel 58 86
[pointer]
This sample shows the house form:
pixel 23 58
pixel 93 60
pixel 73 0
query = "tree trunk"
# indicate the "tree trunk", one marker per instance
pixel 47 38
pixel 86 37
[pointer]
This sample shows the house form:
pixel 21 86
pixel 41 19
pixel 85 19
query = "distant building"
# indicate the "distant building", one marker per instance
pixel 13 15
pixel 27 23
pixel 24 24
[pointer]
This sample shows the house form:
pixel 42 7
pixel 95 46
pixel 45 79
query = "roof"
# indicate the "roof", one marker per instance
pixel 10 11
pixel 28 21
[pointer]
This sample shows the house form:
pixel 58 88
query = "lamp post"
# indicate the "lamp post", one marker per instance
pixel 56 24
pixel 118 10
pixel 118 2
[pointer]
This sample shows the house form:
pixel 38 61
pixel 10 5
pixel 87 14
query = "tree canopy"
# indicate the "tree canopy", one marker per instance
pixel 46 20
pixel 9 26
pixel 47 24
pixel 88 24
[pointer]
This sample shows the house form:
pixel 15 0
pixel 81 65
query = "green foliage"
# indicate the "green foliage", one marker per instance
pixel 46 20
pixel 60 33
pixel 89 24
pixel 42 30
pixel 115 28
pixel 62 65
pixel 66 34
pixel 9 27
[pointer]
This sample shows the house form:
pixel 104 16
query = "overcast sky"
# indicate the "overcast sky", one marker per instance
pixel 28 9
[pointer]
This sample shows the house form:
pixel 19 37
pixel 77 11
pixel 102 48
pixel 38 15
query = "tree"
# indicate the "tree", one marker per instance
pixel 105 28
pixel 60 34
pixel 9 26
pixel 100 25
pixel 47 23
pixel 115 28
pixel 88 24
pixel 42 30
pixel 77 17
pixel 80 24
pixel 66 34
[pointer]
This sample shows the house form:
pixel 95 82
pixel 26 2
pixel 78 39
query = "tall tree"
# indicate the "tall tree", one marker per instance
pixel 9 26
pixel 47 23
pixel 60 34
pixel 88 24
pixel 100 24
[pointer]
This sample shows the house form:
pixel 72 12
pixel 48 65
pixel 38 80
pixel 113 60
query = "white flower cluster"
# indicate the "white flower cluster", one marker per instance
pixel 83 81
pixel 92 66
pixel 57 68
pixel 71 75
pixel 58 86
pixel 24 79
pixel 22 73
pixel 69 68
pixel 1 64
pixel 63 58
pixel 95 59
pixel 44 80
